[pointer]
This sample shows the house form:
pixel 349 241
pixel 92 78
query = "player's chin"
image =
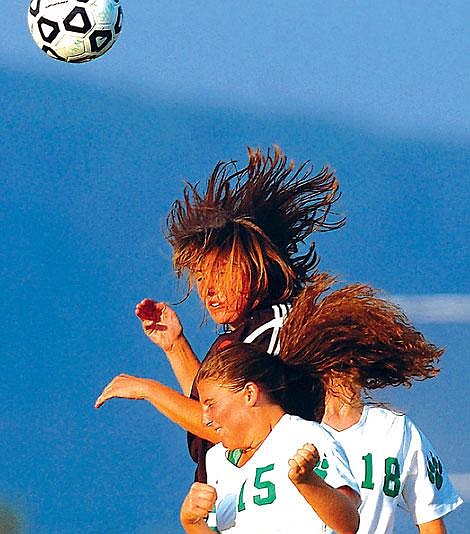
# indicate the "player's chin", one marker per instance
pixel 219 316
pixel 228 442
pixel 224 317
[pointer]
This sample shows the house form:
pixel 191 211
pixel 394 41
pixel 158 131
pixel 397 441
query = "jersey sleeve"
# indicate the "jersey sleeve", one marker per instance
pixel 428 493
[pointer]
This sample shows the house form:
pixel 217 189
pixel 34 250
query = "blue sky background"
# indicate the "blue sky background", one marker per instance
pixel 93 155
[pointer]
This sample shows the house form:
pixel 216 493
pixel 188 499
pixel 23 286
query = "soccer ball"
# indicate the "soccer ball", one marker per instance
pixel 75 30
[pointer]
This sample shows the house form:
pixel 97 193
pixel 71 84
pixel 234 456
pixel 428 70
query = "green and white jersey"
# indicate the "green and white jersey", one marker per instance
pixel 258 497
pixel 395 465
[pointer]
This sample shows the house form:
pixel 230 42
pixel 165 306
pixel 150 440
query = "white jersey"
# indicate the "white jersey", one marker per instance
pixel 395 465
pixel 258 497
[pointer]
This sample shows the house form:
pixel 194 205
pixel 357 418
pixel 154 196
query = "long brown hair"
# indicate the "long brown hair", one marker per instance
pixel 352 337
pixel 263 214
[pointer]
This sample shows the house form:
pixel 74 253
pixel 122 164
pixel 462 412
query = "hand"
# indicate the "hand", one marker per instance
pixel 160 323
pixel 199 501
pixel 302 464
pixel 123 387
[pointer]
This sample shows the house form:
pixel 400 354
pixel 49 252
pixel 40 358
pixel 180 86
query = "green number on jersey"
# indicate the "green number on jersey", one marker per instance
pixel 391 486
pixel 392 477
pixel 241 501
pixel 265 485
pixel 367 482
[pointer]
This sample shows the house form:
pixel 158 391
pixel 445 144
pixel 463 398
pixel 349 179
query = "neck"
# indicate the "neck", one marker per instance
pixel 268 419
pixel 342 412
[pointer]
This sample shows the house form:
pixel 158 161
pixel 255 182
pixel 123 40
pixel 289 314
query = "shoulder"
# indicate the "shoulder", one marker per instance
pixel 270 312
pixel 384 416
pixel 296 428
pixel 377 425
pixel 263 325
pixel 416 438
pixel 396 429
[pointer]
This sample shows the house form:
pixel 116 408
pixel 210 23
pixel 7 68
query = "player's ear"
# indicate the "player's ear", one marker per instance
pixel 251 393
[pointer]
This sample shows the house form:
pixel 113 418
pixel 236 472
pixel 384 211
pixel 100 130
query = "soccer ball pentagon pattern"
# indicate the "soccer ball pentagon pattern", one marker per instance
pixel 75 30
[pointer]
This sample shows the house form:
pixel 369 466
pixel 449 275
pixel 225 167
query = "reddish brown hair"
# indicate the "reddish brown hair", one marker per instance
pixel 353 337
pixel 262 214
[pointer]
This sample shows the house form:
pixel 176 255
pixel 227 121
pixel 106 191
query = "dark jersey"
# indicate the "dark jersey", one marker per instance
pixel 262 328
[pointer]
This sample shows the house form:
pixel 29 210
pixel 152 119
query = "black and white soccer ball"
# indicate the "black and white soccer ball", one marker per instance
pixel 75 30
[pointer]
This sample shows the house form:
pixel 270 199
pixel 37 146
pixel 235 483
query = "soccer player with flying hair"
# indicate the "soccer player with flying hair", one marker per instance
pixel 273 472
pixel 358 342
pixel 239 242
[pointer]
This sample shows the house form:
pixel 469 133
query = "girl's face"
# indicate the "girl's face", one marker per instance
pixel 224 289
pixel 226 412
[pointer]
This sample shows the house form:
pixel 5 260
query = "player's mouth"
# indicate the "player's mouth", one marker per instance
pixel 214 305
pixel 217 429
pixel 213 425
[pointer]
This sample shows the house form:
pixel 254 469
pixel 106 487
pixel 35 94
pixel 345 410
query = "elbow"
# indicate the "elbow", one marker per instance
pixel 355 523
pixel 352 516
pixel 355 527
pixel 352 525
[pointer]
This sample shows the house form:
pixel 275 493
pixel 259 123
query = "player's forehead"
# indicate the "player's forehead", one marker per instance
pixel 210 389
pixel 217 262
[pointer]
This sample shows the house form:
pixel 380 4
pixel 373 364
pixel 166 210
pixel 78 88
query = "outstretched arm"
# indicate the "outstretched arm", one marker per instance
pixel 198 503
pixel 163 327
pixel 433 527
pixel 183 411
pixel 335 507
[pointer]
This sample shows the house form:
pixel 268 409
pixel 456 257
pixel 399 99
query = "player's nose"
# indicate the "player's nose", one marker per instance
pixel 206 420
pixel 211 291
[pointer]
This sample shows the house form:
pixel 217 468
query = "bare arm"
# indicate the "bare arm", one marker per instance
pixel 183 411
pixel 184 363
pixel 433 527
pixel 337 508
pixel 163 327
pixel 198 503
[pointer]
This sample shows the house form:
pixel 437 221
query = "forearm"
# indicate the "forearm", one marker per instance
pixel 181 410
pixel 433 527
pixel 184 363
pixel 197 528
pixel 333 507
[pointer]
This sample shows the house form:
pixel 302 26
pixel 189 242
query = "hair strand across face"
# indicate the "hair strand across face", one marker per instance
pixel 262 215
